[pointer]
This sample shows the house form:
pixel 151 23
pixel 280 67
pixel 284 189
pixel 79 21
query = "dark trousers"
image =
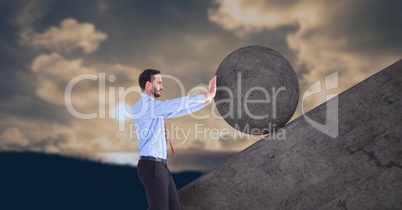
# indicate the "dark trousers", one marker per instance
pixel 159 185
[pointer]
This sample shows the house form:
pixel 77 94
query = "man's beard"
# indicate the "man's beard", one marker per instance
pixel 156 95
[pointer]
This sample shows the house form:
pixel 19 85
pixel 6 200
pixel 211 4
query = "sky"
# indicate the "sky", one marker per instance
pixel 45 45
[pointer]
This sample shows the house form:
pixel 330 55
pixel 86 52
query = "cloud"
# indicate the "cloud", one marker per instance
pixel 53 72
pixel 12 139
pixel 97 135
pixel 245 17
pixel 69 36
pixel 22 135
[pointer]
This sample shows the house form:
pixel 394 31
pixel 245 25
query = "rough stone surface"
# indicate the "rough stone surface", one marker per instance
pixel 359 169
pixel 258 90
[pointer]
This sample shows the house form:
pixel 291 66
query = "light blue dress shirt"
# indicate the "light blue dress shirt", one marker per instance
pixel 149 115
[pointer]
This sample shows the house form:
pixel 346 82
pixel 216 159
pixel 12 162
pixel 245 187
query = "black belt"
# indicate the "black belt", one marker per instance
pixel 165 161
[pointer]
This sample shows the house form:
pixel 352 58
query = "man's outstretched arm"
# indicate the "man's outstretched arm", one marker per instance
pixel 186 105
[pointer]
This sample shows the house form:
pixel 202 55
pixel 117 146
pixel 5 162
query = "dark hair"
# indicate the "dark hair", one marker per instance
pixel 145 76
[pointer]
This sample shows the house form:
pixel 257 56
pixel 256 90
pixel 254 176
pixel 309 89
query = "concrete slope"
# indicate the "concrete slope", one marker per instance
pixel 359 169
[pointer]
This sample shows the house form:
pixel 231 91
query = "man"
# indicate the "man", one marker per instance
pixel 149 115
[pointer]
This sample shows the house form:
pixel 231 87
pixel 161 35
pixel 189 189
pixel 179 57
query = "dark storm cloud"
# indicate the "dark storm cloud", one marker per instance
pixel 31 107
pixel 17 96
pixel 143 31
pixel 135 28
pixel 370 26
pixel 13 57
pixel 138 30
pixel 275 39
pixel 17 80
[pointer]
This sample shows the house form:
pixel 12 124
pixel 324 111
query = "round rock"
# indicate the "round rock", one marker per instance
pixel 257 90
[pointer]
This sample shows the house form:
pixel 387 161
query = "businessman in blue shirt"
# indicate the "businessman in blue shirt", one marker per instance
pixel 149 115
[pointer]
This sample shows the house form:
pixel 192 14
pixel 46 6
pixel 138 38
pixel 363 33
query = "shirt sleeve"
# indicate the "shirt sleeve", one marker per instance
pixel 185 111
pixel 179 106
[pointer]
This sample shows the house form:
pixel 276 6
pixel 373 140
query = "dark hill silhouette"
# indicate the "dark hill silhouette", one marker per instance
pixel 46 181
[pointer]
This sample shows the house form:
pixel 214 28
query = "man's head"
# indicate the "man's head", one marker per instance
pixel 150 81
